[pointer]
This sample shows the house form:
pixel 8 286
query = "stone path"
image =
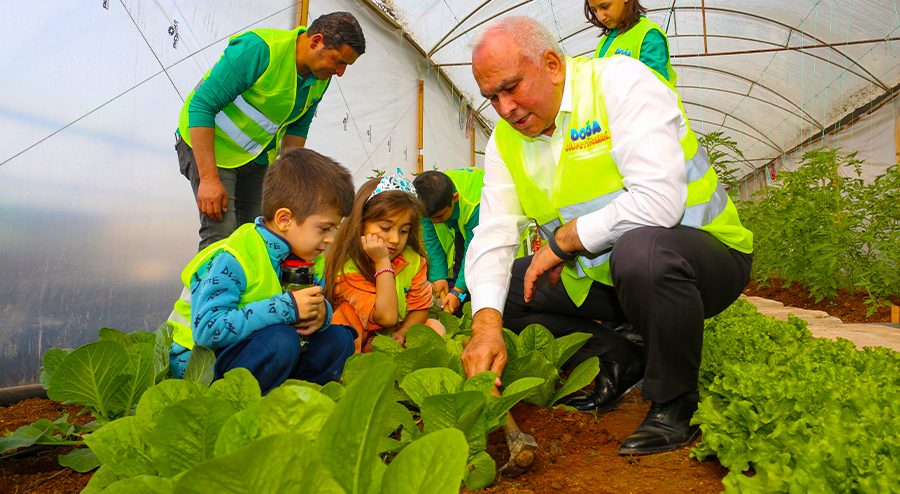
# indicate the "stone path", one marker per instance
pixel 823 325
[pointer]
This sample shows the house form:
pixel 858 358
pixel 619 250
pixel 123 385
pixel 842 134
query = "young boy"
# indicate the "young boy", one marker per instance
pixel 232 302
pixel 452 200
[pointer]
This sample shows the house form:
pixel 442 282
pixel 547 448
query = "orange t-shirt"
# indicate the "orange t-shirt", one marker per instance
pixel 354 298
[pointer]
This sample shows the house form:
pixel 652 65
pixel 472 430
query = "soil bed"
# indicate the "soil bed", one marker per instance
pixel 849 307
pixel 40 473
pixel 577 452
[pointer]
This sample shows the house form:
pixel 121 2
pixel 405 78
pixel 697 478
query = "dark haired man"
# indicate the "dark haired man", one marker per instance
pixel 257 100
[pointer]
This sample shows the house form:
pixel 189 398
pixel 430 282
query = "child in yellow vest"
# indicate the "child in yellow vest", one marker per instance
pixel 233 301
pixel 376 273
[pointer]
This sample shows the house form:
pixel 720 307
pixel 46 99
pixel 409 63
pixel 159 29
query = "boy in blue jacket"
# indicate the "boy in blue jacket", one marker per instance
pixel 232 300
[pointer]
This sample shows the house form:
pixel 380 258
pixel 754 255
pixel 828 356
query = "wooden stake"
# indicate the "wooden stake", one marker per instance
pixel 895 314
pixel 473 146
pixel 421 123
pixel 897 137
pixel 302 13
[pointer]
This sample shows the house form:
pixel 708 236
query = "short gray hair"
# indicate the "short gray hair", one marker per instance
pixel 533 37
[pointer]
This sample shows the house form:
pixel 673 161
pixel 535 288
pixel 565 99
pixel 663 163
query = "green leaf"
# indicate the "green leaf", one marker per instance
pixel 158 398
pixel 161 345
pixel 186 433
pixel 538 366
pixel 273 465
pixel 459 410
pixel 297 409
pixel 333 390
pixel 145 484
pixel 91 375
pixel 239 430
pixel 51 360
pixel 423 383
pixel 451 323
pixel 483 472
pixel 402 417
pixel 81 460
pixel 386 345
pixel 567 345
pixel 125 339
pixel 238 387
pixel 349 440
pixel 483 381
pixel 103 477
pixel 118 445
pixel 432 465
pixel 140 367
pixel 26 435
pixel 420 335
pixel 200 366
pixel 514 393
pixel 359 365
pixel 580 377
pixel 537 338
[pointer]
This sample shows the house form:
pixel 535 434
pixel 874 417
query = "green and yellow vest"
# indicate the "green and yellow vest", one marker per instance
pixel 402 280
pixel 468 182
pixel 248 247
pixel 587 180
pixel 249 123
pixel 629 44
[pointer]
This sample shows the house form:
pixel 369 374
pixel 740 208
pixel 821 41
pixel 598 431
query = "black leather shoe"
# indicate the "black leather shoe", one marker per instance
pixel 614 381
pixel 667 427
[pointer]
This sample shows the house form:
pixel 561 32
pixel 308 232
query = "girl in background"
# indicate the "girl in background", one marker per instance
pixel 627 32
pixel 376 270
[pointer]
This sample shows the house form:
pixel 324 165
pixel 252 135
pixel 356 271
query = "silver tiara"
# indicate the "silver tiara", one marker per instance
pixel 396 181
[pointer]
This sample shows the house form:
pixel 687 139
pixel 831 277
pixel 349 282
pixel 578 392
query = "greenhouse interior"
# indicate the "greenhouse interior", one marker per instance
pixel 743 339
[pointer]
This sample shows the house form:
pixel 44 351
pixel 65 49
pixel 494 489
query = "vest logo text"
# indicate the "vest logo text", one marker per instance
pixel 622 51
pixel 588 130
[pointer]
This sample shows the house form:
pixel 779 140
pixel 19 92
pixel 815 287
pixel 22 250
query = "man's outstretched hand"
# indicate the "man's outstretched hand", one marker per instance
pixel 486 350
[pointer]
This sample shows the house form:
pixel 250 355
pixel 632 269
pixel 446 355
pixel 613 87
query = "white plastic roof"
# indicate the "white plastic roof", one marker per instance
pixel 767 74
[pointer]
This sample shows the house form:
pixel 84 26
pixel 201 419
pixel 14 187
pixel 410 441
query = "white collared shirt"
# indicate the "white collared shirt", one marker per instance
pixel 645 126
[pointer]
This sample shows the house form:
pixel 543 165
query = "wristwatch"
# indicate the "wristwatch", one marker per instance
pixel 461 296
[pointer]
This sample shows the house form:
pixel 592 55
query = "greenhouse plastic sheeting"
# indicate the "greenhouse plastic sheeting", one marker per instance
pixel 97 223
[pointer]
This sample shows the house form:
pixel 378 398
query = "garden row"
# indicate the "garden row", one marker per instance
pixel 804 415
pixel 401 420
pixel 822 225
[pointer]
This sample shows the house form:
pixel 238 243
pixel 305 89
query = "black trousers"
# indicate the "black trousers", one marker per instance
pixel 666 282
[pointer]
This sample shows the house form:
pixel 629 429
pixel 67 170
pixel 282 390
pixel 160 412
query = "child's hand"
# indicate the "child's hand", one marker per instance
pixel 374 247
pixel 441 288
pixel 310 302
pixel 306 328
pixel 399 336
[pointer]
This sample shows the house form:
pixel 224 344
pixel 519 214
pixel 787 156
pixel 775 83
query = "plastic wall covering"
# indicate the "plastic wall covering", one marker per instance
pixel 96 222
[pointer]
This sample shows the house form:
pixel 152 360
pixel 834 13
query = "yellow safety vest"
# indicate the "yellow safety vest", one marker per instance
pixel 468 182
pixel 402 280
pixel 629 44
pixel 261 113
pixel 249 248
pixel 587 180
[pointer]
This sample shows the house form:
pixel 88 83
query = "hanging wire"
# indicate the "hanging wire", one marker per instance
pixel 132 88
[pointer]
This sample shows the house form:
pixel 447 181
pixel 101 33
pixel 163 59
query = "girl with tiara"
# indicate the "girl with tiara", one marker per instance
pixel 376 271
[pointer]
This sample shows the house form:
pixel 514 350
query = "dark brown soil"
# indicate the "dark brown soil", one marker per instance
pixel 577 452
pixel 849 307
pixel 40 473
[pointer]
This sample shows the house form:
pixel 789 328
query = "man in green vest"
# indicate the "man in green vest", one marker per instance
pixel 451 201
pixel 259 98
pixel 600 155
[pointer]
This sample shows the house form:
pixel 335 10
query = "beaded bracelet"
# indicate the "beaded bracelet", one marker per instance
pixel 388 270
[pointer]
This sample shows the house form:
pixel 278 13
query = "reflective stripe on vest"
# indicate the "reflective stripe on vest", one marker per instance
pixel 588 180
pixel 249 248
pixel 246 126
